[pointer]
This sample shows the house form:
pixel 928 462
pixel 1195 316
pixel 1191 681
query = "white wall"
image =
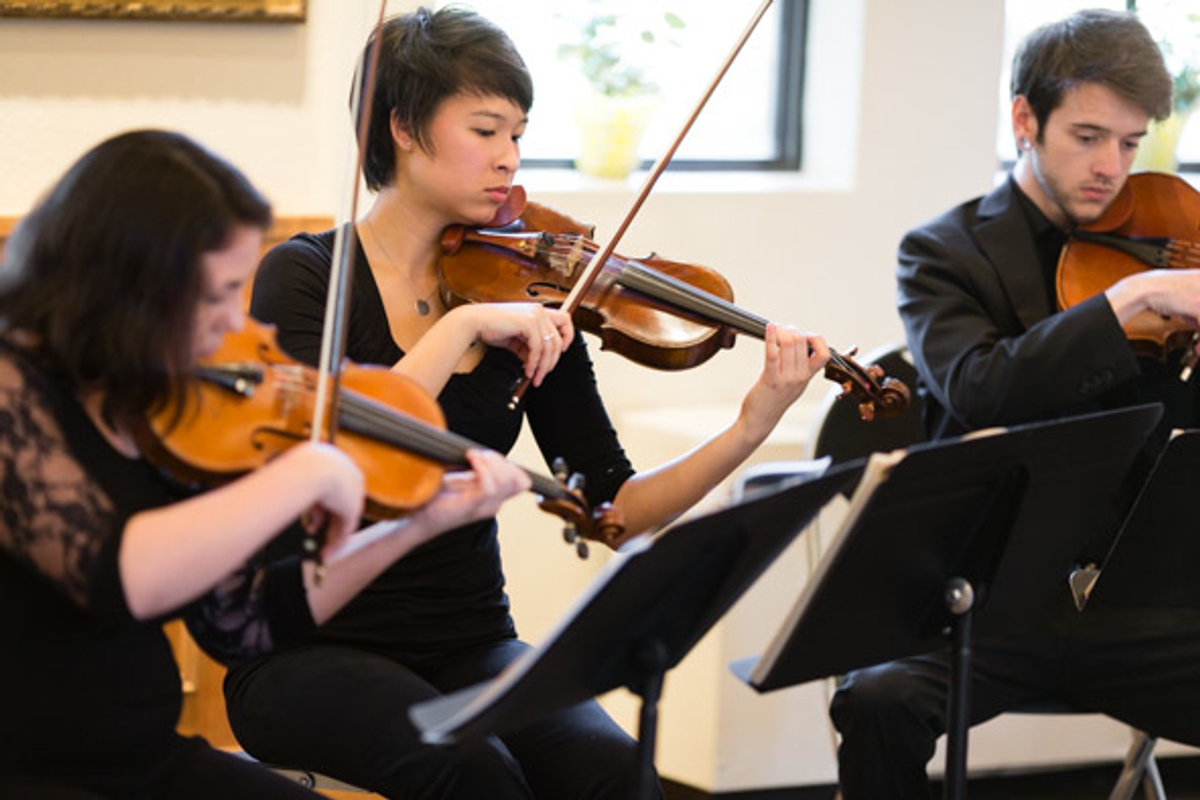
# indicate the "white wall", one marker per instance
pixel 901 123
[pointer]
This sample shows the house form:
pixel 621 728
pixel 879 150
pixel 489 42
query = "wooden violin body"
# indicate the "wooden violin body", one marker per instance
pixel 542 266
pixel 1152 223
pixel 250 401
pixel 659 313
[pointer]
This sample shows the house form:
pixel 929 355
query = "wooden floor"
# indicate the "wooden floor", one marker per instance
pixel 1181 781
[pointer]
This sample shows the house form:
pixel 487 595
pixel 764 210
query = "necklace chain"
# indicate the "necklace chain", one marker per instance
pixel 420 304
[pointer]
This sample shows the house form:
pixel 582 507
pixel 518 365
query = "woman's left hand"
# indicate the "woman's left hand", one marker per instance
pixel 791 360
pixel 472 495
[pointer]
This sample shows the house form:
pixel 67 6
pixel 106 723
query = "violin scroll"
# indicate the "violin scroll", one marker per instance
pixel 879 396
pixel 602 524
pixel 562 496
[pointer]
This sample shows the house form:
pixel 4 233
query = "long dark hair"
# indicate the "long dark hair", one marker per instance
pixel 106 270
pixel 425 57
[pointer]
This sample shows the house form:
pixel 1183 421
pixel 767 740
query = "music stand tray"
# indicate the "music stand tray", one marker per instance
pixel 645 611
pixel 1152 564
pixel 993 520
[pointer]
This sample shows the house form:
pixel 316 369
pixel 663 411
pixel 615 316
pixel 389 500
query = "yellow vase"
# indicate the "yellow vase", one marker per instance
pixel 610 131
pixel 1157 150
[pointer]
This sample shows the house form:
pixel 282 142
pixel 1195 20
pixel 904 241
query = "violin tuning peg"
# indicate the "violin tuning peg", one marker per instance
pixel 559 467
pixel 570 534
pixel 576 482
pixel 581 550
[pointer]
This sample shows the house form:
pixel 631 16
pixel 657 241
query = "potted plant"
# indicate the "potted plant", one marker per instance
pixel 613 52
pixel 1178 32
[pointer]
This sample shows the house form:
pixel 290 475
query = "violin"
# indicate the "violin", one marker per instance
pixel 660 313
pixel 249 401
pixel 1152 223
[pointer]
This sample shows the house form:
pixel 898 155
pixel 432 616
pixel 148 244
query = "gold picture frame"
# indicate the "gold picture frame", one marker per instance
pixel 192 10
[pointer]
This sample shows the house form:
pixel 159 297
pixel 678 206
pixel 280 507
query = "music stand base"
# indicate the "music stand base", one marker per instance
pixel 960 602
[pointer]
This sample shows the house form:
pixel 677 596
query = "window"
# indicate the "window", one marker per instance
pixel 1174 23
pixel 752 121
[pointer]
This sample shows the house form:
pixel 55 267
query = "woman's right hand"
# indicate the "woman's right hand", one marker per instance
pixel 534 333
pixel 341 492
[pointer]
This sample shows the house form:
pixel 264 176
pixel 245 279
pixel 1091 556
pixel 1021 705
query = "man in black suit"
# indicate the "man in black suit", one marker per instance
pixel 978 301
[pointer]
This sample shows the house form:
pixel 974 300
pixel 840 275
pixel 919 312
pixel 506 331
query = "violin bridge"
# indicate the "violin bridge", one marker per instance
pixel 574 258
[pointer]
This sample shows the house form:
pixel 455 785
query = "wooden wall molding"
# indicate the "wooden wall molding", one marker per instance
pixel 282 229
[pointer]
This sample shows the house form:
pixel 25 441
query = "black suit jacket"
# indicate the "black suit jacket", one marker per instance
pixel 984 332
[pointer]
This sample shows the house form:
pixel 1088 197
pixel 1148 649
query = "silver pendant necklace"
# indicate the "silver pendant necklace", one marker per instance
pixel 420 304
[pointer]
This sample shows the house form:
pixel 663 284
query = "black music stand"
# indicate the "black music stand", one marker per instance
pixel 637 620
pixel 1153 562
pixel 946 537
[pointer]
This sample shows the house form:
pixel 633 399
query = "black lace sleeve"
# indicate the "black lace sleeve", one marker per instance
pixel 54 518
pixel 254 611
pixel 61 521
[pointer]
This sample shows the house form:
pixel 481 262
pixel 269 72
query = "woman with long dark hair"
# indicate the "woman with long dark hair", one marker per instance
pixel 126 273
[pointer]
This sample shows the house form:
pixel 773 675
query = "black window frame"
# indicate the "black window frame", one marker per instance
pixel 789 109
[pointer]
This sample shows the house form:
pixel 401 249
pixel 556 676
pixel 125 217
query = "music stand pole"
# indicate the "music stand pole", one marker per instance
pixel 638 619
pixel 960 602
pixel 653 659
pixel 938 529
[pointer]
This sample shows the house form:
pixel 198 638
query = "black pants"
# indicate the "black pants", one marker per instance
pixel 1141 667
pixel 344 712
pixel 192 771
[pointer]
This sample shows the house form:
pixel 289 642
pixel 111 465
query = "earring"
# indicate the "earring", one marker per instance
pixel 1024 142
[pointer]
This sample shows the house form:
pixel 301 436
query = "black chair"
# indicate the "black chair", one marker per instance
pixel 839 434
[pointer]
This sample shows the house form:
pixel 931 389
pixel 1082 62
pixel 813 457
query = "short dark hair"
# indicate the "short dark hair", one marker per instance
pixel 1111 48
pixel 106 270
pixel 424 58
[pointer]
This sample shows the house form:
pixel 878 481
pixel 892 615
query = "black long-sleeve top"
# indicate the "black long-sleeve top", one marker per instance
pixel 88 694
pixel 449 592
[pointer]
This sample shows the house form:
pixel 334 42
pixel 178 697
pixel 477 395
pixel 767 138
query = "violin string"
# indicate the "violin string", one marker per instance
pixel 375 420
pixel 707 303
pixel 668 288
pixel 697 299
pixel 367 417
pixel 371 418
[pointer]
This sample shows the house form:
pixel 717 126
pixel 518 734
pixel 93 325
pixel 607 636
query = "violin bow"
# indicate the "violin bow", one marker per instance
pixel 337 301
pixel 592 271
